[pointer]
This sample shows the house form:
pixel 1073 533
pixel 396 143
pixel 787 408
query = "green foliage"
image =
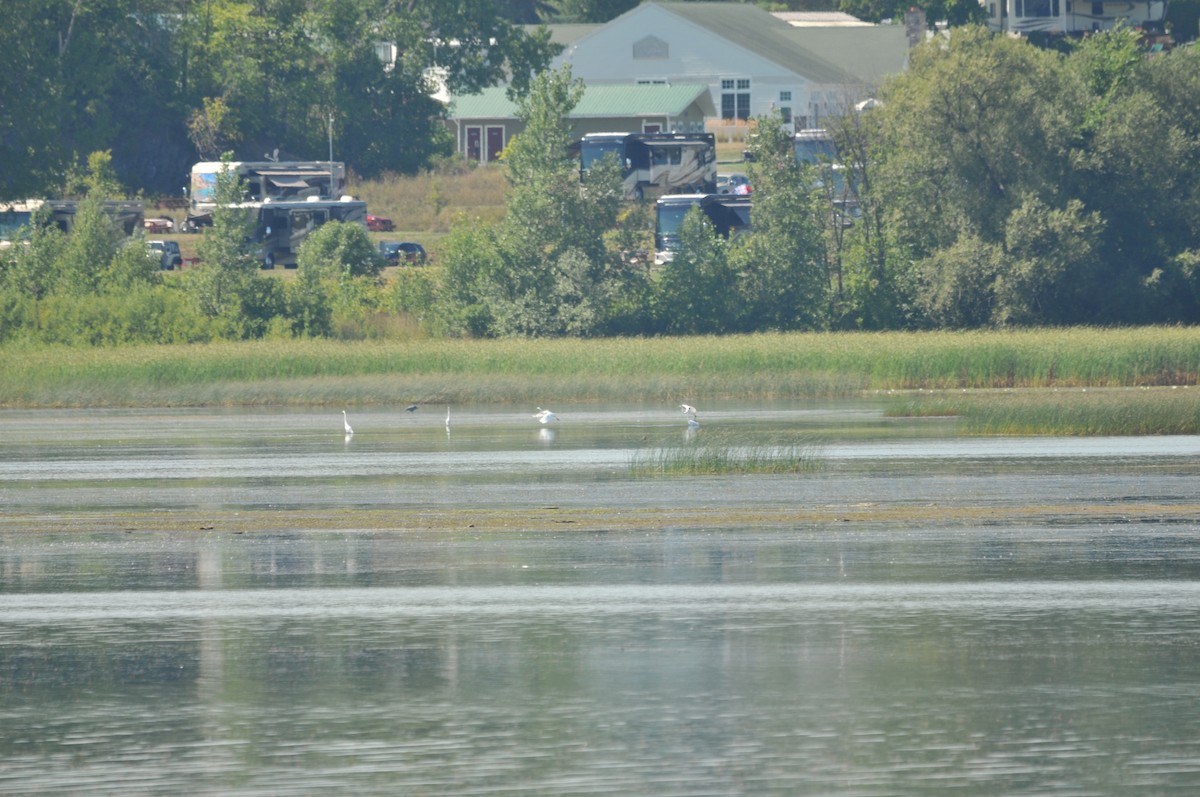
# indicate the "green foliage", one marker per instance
pixel 1049 274
pixel 98 179
pixel 93 243
pixel 783 260
pixel 544 269
pixel 1035 187
pixel 227 286
pixel 697 292
pixel 957 283
pixel 341 250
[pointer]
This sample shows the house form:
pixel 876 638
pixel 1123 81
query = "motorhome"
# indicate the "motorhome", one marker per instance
pixel 655 164
pixel 288 200
pixel 15 217
pixel 269 180
pixel 1072 17
pixel 728 213
pixel 282 226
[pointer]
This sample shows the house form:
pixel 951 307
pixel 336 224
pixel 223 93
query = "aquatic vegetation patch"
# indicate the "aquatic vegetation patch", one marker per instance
pixel 719 452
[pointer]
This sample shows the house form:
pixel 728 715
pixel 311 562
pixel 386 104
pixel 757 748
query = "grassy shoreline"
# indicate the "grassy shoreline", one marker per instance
pixel 767 366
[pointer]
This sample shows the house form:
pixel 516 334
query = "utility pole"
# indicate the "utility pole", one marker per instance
pixel 331 177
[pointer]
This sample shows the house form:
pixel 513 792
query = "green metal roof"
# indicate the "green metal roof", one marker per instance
pixel 603 100
pixel 760 32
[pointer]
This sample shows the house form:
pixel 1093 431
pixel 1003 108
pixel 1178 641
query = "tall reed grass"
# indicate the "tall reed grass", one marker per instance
pixel 431 201
pixel 1066 411
pixel 767 366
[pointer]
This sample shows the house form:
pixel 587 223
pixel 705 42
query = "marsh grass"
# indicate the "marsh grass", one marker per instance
pixel 767 366
pixel 720 452
pixel 430 202
pixel 1075 411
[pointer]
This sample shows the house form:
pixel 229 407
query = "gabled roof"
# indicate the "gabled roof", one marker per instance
pixel 869 53
pixel 605 100
pixel 566 33
pixel 759 32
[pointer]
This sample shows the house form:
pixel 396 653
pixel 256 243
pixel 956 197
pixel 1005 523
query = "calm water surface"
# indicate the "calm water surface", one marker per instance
pixel 1059 656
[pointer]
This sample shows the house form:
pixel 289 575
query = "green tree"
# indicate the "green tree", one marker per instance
pixel 783 260
pixel 337 270
pixel 227 286
pixel 274 73
pixel 593 10
pixel 33 270
pixel 90 248
pixel 545 269
pixel 80 77
pixel 697 291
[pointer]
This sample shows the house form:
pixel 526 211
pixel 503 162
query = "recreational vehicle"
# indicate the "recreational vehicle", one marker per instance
pixel 655 164
pixel 728 213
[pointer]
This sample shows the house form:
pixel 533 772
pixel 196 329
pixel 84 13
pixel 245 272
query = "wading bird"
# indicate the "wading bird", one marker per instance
pixel 411 408
pixel 447 418
pixel 688 409
pixel 346 423
pixel 545 416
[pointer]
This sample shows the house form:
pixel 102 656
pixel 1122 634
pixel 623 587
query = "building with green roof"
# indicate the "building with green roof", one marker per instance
pixel 484 123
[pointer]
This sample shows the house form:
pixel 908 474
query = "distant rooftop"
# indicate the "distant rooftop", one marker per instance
pixel 597 101
pixel 820 19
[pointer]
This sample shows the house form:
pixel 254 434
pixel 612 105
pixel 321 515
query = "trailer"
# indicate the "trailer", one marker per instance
pixel 655 164
pixel 728 213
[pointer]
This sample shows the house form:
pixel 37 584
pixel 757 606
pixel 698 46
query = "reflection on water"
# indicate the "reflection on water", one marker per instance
pixel 1057 656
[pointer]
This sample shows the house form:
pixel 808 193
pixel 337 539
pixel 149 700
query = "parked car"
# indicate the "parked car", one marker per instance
pixel 409 252
pixel 379 224
pixel 168 254
pixel 733 184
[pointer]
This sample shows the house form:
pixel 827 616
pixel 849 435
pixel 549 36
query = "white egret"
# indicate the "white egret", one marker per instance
pixel 688 409
pixel 346 423
pixel 447 417
pixel 545 416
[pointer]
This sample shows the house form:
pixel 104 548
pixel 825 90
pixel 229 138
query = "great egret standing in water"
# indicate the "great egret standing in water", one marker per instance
pixel 346 423
pixel 545 416
pixel 447 418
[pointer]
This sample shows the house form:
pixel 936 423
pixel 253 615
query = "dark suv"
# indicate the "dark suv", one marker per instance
pixel 396 252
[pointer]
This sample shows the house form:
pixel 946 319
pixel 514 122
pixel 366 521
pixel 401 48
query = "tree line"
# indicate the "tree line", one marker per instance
pixel 163 83
pixel 999 184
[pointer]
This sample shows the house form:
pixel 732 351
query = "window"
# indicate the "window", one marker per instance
pixel 1037 8
pixel 735 98
pixel 786 112
pixel 785 96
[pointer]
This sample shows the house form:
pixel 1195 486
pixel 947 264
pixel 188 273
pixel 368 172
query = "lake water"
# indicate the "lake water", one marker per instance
pixel 190 603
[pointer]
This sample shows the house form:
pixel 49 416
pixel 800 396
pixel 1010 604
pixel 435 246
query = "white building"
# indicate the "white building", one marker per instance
pixel 752 61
